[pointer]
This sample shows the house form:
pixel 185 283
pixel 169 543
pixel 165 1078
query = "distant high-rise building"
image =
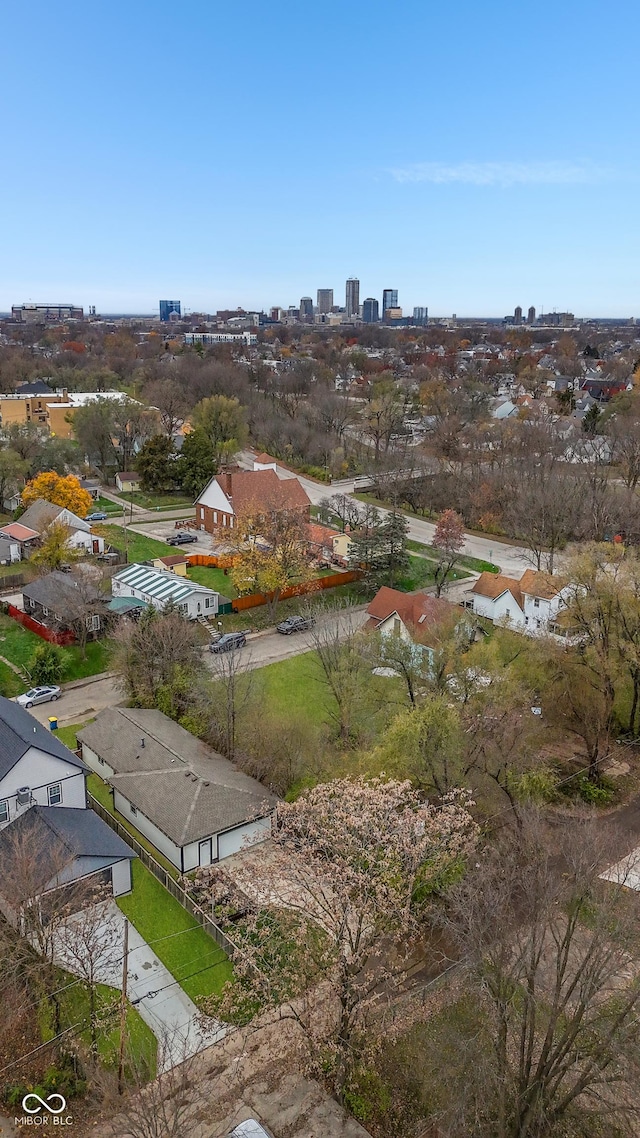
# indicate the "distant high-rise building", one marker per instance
pixel 389 300
pixel 325 300
pixel 420 315
pixel 167 307
pixel 531 315
pixel 394 314
pixel 352 298
pixel 517 315
pixel 306 308
pixel 370 311
pixel 45 313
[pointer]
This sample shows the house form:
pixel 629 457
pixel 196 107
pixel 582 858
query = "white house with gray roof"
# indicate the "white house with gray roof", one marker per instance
pixel 36 769
pixel 158 587
pixel 189 801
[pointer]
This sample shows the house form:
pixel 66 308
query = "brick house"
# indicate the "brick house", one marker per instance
pixel 242 493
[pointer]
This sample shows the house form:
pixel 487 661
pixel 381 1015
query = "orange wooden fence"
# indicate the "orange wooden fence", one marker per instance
pixel 329 582
pixel 40 629
pixel 225 561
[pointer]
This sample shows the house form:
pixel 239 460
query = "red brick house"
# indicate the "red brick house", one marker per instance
pixel 244 493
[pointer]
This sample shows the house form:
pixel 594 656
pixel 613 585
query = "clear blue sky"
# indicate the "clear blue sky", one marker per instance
pixel 474 155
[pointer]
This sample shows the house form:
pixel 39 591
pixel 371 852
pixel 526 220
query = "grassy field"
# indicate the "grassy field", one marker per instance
pixel 106 506
pixel 139 546
pixel 213 579
pixel 100 790
pixel 294 687
pixel 74 1005
pixel 18 644
pixel 68 735
pixel 259 618
pixel 157 501
pixel 192 957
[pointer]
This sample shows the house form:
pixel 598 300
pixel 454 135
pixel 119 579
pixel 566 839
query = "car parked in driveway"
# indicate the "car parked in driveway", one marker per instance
pixel 182 538
pixel 249 1129
pixel 43 694
pixel 295 624
pixel 96 516
pixel 229 642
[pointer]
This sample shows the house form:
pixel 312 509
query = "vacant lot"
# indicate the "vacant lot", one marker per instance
pixel 18 645
pixel 139 547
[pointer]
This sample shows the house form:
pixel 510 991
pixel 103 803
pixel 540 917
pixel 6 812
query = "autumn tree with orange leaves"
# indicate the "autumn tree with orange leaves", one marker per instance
pixel 62 491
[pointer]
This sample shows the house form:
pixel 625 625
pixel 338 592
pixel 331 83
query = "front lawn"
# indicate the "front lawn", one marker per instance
pixel 294 686
pixel 138 545
pixel 192 957
pixel 106 506
pixel 18 645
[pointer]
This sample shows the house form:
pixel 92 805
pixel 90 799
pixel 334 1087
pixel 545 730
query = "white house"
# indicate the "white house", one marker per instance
pixel 36 769
pixel 189 801
pixel 41 514
pixel 160 587
pixel 530 604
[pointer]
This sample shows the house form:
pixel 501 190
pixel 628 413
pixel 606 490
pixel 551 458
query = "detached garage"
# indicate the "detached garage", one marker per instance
pixel 189 801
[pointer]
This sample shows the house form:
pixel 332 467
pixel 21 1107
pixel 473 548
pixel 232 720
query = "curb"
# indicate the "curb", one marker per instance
pixel 86 680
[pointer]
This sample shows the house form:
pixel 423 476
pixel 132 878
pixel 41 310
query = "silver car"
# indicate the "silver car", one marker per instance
pixel 249 1129
pixel 42 694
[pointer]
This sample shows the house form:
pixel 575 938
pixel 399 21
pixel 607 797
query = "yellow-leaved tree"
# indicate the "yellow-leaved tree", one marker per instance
pixel 62 491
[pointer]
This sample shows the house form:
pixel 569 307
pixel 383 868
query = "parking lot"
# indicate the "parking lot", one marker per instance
pixel 164 528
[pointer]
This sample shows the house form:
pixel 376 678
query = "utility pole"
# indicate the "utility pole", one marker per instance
pixel 123 1007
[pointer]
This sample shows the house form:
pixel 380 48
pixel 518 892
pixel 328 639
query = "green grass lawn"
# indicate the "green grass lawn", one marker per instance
pixel 193 958
pixel 101 791
pixel 139 546
pixel 106 506
pixel 158 501
pixel 213 579
pixel 293 687
pixel 18 644
pixel 74 1003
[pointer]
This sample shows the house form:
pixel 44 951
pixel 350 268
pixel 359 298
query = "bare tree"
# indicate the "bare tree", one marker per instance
pixel 335 639
pixel 89 944
pixel 233 691
pixel 148 653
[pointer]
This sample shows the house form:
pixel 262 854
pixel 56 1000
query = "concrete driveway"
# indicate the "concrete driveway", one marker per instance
pixel 173 1018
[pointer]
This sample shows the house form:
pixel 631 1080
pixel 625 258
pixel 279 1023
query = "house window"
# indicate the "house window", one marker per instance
pixel 54 794
pixel 133 810
pixel 207 602
pixel 4 811
pixel 396 626
pixel 93 622
pixel 526 620
pixel 536 603
pixel 215 517
pixel 202 511
pixel 45 611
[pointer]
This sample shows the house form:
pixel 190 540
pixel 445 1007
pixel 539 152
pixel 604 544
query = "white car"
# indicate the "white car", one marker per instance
pixel 249 1129
pixel 42 694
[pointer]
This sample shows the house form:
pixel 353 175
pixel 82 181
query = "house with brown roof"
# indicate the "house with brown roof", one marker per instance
pixel 407 614
pixel 237 493
pixel 530 604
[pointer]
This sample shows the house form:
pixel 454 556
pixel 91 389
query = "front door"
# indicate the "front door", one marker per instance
pixel 96 545
pixel 205 852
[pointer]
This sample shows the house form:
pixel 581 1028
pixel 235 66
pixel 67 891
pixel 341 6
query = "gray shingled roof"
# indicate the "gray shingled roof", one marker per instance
pixel 40 514
pixel 19 731
pixel 58 835
pixel 189 791
pixel 51 591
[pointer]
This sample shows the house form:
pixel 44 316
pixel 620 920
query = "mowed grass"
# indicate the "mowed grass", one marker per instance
pixel 142 1045
pixel 213 579
pixel 138 545
pixel 190 954
pixel 18 645
pixel 166 501
pixel 295 687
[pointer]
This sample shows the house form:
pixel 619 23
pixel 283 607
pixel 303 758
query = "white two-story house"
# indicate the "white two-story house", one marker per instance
pixel 530 604
pixel 36 769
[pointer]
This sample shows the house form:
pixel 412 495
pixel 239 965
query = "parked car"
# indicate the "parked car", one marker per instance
pixel 42 694
pixel 229 642
pixel 96 516
pixel 182 538
pixel 249 1129
pixel 295 624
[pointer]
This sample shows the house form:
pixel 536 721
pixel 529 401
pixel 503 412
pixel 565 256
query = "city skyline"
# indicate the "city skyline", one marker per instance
pixel 493 173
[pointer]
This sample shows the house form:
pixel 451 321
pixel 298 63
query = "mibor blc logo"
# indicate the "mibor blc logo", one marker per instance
pixel 44 1112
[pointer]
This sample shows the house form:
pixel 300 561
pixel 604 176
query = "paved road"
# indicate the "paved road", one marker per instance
pixel 265 648
pixel 78 703
pixel 511 559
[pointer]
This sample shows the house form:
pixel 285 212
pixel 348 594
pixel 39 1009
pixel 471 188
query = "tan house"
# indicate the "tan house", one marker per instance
pixel 31 408
pixel 175 563
pixel 127 481
pixel 243 493
pixel 341 548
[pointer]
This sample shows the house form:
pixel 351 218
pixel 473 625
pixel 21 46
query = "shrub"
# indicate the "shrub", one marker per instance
pixel 48 664
pixel 596 793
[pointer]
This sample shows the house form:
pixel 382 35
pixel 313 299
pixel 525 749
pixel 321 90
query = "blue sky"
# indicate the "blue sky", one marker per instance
pixel 472 155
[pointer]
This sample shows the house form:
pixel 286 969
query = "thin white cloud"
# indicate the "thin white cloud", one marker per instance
pixel 502 174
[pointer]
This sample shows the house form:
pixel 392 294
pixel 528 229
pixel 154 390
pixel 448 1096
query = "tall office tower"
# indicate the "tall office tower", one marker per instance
pixel 167 307
pixel 306 308
pixel 370 311
pixel 325 300
pixel 352 298
pixel 420 315
pixel 389 300
pixel 517 315
pixel 531 315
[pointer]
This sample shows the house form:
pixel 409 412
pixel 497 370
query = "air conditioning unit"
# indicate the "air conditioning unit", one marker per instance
pixel 23 795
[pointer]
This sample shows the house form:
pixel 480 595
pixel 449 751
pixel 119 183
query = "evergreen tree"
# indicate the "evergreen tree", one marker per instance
pixel 396 556
pixel 155 464
pixel 197 462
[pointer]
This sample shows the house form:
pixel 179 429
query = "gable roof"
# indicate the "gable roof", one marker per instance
pixel 160 584
pixel 493 585
pixel 537 584
pixel 57 836
pixel 40 514
pixel 173 559
pixel 129 475
pixel 19 731
pixel 35 387
pixel 19 532
pixel 418 609
pixel 56 588
pixel 252 491
pixel 186 789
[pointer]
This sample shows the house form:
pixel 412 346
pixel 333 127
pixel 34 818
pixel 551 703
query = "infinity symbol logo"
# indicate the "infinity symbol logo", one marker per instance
pixel 42 1103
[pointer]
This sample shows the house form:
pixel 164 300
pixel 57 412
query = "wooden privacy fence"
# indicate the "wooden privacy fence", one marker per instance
pixel 224 561
pixel 171 885
pixel 330 581
pixel 60 638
